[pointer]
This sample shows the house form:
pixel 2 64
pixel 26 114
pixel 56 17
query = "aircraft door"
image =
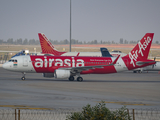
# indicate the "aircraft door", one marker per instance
pixel 25 61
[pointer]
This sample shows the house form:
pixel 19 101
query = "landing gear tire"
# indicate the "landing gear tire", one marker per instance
pixel 80 79
pixel 139 71
pixel 71 78
pixel 23 78
pixel 134 71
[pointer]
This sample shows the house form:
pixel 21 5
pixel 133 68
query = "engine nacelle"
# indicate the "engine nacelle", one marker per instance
pixel 62 73
pixel 49 75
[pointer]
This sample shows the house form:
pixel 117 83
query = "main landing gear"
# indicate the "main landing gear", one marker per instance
pixel 71 78
pixel 23 76
pixel 80 79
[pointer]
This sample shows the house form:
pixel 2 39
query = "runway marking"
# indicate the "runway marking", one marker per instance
pixel 128 103
pixel 24 107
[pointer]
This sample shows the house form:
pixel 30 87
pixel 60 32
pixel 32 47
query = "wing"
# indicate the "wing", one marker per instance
pixel 79 69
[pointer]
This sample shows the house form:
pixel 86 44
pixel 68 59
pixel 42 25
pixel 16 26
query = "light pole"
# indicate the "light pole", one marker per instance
pixel 70 26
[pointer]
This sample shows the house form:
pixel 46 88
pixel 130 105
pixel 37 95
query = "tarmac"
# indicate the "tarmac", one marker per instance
pixel 129 89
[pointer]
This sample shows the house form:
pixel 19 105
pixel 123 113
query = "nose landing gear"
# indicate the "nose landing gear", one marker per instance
pixel 23 76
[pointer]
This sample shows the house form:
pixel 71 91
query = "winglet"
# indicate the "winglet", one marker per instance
pixel 115 61
pixel 78 54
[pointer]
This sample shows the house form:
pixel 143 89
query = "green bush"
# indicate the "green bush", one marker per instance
pixel 99 112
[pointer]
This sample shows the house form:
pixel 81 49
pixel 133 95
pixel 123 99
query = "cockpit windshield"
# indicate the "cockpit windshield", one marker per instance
pixel 12 60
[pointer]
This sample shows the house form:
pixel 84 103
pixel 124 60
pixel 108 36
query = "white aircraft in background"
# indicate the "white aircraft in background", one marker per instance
pixel 48 48
pixel 70 66
pixel 154 67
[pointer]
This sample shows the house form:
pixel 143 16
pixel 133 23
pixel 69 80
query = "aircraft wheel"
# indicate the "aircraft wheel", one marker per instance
pixel 80 79
pixel 71 78
pixel 23 78
pixel 134 71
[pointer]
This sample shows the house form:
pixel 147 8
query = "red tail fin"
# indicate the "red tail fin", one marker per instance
pixel 46 45
pixel 141 50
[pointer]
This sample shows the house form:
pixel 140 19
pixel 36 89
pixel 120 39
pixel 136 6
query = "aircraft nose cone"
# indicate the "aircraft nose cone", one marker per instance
pixel 5 66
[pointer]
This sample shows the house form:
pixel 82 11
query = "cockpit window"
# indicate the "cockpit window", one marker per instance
pixel 12 60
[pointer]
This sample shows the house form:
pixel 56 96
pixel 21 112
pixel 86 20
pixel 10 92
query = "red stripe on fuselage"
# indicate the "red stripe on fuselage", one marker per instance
pixel 45 64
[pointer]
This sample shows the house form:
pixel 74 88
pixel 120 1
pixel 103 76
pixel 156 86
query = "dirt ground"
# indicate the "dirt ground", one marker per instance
pixel 125 48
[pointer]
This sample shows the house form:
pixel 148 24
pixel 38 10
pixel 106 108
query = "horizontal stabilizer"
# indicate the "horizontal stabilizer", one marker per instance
pixel 144 62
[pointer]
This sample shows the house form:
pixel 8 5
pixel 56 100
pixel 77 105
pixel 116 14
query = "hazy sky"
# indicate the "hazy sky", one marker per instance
pixel 105 20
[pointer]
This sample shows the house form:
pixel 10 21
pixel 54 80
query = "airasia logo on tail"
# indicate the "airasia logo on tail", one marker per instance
pixel 141 47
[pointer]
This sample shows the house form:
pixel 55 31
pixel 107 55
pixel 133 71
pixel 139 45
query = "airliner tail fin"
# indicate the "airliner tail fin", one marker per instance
pixel 141 50
pixel 46 46
pixel 139 53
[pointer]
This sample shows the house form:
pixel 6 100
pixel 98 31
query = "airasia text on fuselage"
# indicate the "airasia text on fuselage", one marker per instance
pixel 49 62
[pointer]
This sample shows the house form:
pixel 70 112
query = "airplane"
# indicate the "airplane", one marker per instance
pixel 48 48
pixel 69 66
pixel 23 52
pixel 18 53
pixel 154 67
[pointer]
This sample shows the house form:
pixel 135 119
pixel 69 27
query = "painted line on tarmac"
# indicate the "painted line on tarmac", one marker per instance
pixel 127 103
pixel 24 107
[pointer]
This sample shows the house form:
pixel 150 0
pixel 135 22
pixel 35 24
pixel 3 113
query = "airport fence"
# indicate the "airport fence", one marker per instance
pixel 60 114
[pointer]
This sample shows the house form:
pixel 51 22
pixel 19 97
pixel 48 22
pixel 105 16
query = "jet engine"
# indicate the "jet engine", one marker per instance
pixel 62 73
pixel 49 75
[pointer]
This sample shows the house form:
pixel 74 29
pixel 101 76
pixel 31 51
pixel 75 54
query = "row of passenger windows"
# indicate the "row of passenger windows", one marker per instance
pixel 76 62
pixel 12 60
